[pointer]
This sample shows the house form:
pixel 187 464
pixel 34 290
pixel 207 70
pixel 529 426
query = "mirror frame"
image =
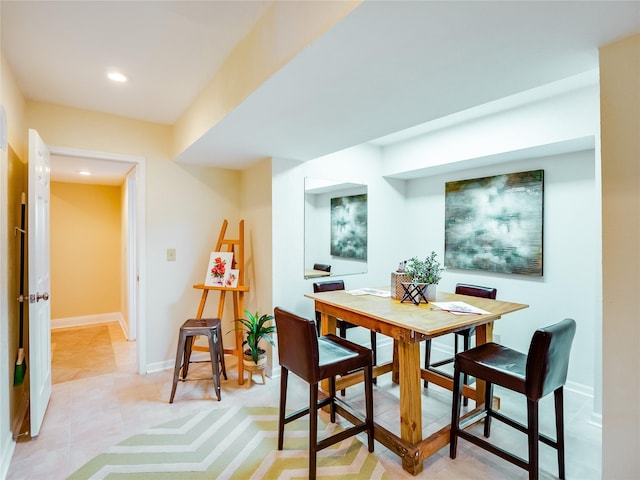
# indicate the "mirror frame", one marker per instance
pixel 317 228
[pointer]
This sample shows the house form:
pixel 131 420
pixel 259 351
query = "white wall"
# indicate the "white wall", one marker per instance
pixel 385 200
pixel 406 217
pixel 563 122
pixel 186 213
pixel 317 240
pixel 567 288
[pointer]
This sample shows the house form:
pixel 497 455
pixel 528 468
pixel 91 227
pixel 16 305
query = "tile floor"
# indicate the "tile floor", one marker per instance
pixel 99 400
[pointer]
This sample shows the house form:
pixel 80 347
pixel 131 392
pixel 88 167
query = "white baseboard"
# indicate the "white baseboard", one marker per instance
pixel 160 366
pixel 196 356
pixel 88 320
pixel 579 389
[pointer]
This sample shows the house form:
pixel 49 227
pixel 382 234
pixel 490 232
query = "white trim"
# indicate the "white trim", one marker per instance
pixel 160 366
pixel 140 193
pixel 579 389
pixel 87 320
pixel 131 255
pixel 596 419
pixel 7 454
pixel 93 154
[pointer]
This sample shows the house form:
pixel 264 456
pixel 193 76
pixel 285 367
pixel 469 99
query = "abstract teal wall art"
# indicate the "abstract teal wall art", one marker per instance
pixel 349 227
pixel 495 223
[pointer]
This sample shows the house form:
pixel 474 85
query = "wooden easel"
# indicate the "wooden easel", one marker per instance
pixel 237 247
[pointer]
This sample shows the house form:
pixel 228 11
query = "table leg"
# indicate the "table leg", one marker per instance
pixel 484 334
pixel 410 400
pixel 327 325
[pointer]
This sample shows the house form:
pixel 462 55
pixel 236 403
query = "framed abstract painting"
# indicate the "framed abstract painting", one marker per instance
pixel 495 223
pixel 349 227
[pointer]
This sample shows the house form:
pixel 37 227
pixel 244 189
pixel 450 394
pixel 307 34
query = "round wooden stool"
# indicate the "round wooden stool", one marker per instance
pixel 210 328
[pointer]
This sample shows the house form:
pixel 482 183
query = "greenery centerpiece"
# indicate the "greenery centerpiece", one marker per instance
pixel 426 272
pixel 256 328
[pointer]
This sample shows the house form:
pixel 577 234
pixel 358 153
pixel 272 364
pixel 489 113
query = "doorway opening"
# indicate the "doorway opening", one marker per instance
pixel 126 172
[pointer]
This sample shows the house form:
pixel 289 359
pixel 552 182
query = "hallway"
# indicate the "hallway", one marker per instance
pixel 89 351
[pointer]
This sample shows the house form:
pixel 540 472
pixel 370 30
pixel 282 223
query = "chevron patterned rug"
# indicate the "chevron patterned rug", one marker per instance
pixel 230 443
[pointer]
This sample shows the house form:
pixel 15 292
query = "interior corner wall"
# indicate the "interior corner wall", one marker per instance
pixel 620 124
pixel 256 211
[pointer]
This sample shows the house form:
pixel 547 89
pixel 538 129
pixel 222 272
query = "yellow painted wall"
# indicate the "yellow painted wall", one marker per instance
pixel 86 267
pixel 620 124
pixel 184 206
pixel 256 207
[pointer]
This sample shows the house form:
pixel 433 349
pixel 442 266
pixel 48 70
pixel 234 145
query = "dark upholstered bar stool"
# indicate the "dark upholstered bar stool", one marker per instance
pixel 314 359
pixel 210 328
pixel 462 289
pixel 542 371
pixel 330 286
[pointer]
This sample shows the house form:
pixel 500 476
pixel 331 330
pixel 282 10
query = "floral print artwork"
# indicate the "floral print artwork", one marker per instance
pixel 219 271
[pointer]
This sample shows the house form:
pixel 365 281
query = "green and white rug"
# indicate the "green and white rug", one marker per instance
pixel 230 443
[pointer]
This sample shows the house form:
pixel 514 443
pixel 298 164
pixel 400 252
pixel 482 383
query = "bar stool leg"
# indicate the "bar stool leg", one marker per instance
pixel 218 339
pixel 179 359
pixel 284 376
pixel 558 397
pixel 187 354
pixel 213 351
pixel 455 413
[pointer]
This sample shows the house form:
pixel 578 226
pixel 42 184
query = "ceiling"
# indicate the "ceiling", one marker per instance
pixel 386 67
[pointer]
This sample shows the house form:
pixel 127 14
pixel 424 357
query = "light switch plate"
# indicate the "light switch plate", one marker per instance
pixel 171 254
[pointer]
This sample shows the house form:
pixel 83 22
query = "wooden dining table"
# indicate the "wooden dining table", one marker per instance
pixel 409 324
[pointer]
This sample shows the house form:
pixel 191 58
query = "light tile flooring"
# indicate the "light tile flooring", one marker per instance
pixel 99 400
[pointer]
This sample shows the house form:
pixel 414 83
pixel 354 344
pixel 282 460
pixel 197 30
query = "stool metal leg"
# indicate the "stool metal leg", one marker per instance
pixel 187 354
pixel 213 350
pixel 220 351
pixel 176 369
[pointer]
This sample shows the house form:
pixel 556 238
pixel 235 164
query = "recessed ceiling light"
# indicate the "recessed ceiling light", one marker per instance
pixel 117 77
pixel 84 172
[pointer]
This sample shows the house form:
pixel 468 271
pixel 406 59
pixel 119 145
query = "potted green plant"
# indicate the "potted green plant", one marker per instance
pixel 256 328
pixel 427 272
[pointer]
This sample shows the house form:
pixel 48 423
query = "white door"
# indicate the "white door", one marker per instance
pixel 39 366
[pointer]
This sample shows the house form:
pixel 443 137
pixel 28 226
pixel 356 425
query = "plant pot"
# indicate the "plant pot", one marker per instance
pixel 415 292
pixel 252 367
pixel 247 360
pixel 431 291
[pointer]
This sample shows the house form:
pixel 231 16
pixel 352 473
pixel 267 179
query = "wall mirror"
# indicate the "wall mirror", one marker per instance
pixel 335 228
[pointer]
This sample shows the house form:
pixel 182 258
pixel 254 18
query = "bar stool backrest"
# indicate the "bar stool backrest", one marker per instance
pixel 328 286
pixel 297 345
pixel 476 291
pixel 548 358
